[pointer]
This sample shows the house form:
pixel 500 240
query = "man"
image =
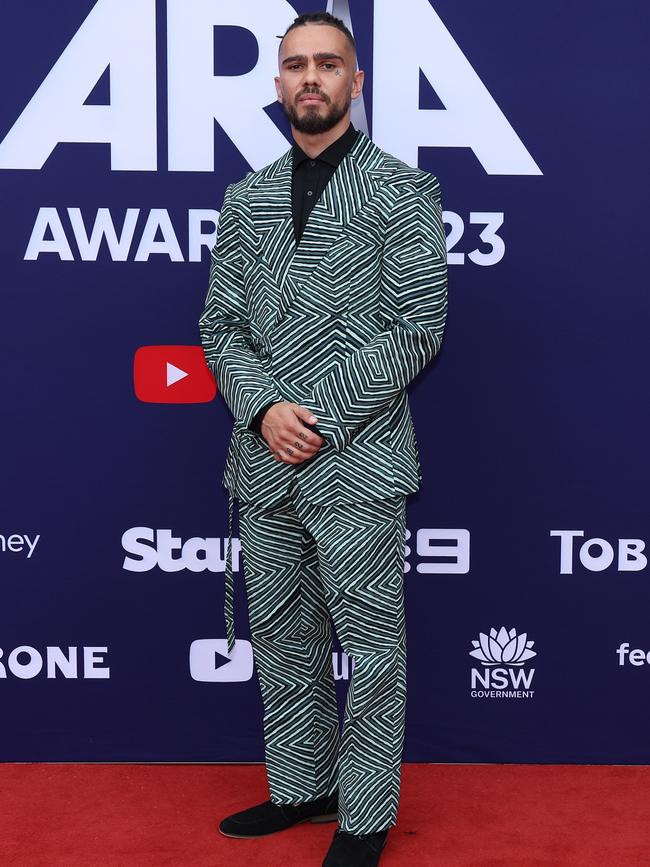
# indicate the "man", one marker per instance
pixel 327 296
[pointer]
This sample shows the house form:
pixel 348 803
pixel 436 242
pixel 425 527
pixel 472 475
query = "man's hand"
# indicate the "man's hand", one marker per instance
pixel 287 437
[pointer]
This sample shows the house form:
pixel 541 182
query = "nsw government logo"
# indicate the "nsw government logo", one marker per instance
pixel 503 654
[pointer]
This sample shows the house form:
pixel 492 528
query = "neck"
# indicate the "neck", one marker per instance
pixel 315 143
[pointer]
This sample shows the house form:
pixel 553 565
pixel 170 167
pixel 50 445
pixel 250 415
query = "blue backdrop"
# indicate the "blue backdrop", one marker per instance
pixel 526 580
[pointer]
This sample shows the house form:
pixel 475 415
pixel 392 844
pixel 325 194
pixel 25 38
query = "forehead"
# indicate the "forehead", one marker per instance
pixel 307 39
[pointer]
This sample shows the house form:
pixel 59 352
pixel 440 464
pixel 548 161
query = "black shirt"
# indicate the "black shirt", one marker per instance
pixel 309 178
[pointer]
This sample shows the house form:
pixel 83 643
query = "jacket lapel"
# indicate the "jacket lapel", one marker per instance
pixel 270 203
pixel 356 179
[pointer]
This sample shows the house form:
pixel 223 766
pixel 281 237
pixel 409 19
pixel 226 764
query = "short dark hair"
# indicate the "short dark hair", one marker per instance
pixel 320 18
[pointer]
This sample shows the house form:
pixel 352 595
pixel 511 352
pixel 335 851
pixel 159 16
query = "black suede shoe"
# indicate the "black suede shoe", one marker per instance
pixel 355 850
pixel 267 818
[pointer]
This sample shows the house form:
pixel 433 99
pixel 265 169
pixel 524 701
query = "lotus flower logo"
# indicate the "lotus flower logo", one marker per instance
pixel 503 647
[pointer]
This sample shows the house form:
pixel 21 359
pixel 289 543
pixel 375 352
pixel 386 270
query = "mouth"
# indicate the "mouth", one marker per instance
pixel 311 97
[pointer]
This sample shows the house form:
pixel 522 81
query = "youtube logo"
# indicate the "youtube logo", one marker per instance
pixel 210 662
pixel 172 374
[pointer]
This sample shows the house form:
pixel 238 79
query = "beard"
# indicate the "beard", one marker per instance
pixel 314 120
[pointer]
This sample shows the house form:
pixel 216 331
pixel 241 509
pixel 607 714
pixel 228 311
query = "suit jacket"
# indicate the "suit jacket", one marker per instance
pixel 340 323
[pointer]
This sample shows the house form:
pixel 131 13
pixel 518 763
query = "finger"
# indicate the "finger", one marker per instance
pixel 302 433
pixel 282 455
pixel 305 414
pixel 309 435
pixel 304 453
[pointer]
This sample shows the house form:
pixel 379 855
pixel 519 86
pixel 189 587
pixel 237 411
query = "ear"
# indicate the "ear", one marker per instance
pixel 276 79
pixel 357 84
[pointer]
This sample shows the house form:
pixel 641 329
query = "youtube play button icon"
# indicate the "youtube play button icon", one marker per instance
pixel 172 374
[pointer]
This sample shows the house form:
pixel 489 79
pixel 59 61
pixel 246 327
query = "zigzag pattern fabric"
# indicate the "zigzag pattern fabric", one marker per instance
pixel 305 563
pixel 341 323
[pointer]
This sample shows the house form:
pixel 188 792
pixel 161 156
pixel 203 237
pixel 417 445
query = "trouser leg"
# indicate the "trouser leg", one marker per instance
pixel 292 647
pixel 361 559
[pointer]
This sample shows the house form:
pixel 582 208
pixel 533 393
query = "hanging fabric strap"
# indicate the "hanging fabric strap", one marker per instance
pixel 229 588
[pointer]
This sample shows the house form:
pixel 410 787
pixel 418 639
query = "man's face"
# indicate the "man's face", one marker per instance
pixel 317 61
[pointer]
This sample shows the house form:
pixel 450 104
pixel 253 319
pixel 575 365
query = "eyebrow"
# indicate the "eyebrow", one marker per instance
pixel 320 55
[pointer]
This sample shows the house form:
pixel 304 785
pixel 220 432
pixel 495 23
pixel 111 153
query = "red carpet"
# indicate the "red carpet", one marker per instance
pixel 450 815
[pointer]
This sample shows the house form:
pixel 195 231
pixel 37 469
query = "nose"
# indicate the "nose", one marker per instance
pixel 311 77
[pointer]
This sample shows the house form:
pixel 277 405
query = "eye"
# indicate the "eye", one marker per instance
pixel 328 64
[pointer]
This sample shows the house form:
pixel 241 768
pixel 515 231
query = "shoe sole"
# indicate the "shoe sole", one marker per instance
pixel 317 820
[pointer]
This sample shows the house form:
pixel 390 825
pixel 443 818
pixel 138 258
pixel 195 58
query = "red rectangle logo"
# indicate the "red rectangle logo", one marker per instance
pixel 172 374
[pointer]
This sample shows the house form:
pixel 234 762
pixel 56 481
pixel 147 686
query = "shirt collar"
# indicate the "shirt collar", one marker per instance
pixel 333 153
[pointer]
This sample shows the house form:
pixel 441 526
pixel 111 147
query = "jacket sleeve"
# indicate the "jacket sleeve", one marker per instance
pixel 225 334
pixel 414 291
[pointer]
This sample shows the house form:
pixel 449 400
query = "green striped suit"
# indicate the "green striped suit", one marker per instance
pixel 340 323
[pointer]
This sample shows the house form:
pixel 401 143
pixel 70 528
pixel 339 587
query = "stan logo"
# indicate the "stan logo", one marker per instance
pixel 500 651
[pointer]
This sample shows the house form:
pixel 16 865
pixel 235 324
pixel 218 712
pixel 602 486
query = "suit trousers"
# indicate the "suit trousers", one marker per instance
pixel 306 566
